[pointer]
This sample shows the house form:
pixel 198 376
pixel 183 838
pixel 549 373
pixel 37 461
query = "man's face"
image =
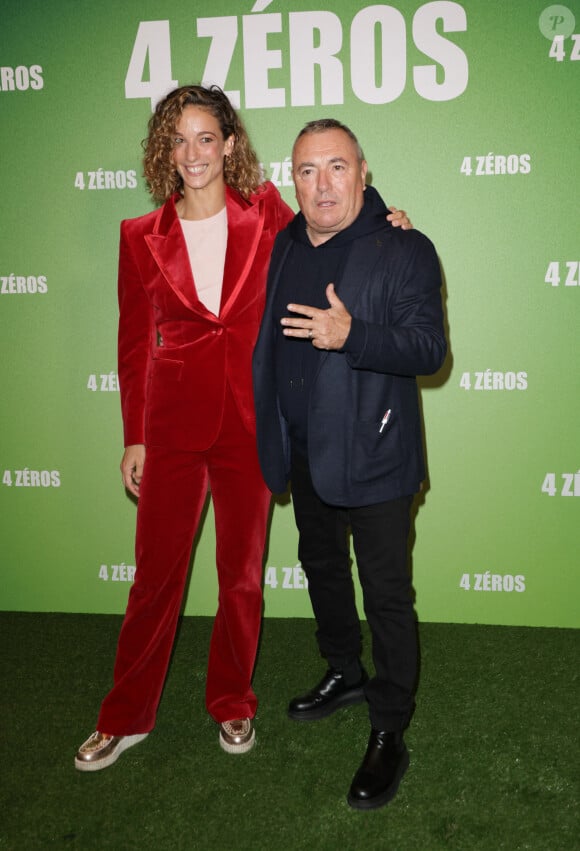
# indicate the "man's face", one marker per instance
pixel 329 182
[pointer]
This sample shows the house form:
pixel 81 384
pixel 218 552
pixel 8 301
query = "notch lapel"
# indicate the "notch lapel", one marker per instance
pixel 245 227
pixel 169 250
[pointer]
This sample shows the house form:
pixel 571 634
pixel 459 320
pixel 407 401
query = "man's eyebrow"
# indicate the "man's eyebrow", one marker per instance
pixel 333 160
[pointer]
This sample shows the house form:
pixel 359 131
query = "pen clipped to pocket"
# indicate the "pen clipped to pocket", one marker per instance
pixel 385 419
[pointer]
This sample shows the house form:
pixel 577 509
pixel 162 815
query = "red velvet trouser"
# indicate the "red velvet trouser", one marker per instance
pixel 173 492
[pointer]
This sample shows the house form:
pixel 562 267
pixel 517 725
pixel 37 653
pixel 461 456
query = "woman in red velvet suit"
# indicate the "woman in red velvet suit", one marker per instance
pixel 191 294
pixel 192 278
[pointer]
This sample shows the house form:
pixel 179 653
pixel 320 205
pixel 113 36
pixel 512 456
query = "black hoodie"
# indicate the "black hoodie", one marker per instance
pixel 307 271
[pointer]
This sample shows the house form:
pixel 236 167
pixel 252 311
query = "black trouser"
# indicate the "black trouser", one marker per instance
pixel 380 535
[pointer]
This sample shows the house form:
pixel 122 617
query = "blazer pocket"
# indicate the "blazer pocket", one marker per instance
pixel 166 370
pixel 375 454
pixel 164 383
pixel 166 407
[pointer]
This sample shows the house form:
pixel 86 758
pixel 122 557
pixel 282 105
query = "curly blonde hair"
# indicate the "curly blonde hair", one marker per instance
pixel 241 168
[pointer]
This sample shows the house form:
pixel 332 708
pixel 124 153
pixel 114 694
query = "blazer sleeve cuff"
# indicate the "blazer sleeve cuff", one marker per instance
pixel 355 342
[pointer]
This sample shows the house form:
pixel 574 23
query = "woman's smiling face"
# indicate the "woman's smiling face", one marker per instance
pixel 199 149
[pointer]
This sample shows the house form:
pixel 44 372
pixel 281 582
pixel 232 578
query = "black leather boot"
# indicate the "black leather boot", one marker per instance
pixel 330 694
pixel 384 764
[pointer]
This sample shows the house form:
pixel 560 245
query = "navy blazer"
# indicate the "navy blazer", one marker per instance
pixel 391 286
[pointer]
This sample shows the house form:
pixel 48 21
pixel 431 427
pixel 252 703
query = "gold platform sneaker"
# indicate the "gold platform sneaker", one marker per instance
pixel 100 751
pixel 237 736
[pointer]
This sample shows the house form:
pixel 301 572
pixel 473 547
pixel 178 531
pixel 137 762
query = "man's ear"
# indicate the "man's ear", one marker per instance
pixel 363 170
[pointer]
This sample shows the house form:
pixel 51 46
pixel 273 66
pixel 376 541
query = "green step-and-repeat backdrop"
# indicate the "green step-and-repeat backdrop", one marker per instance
pixel 469 116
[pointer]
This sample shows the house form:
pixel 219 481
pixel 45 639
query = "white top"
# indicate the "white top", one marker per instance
pixel 206 242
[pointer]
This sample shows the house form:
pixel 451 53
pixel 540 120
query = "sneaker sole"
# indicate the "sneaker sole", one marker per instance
pixel 243 748
pixel 105 762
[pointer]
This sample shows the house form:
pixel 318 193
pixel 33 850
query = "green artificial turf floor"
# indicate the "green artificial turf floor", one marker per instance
pixel 493 744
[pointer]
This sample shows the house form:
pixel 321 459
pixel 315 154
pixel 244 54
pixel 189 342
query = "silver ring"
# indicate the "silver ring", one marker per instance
pixel 310 334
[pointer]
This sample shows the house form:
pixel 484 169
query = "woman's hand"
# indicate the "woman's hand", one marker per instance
pixel 399 219
pixel 132 464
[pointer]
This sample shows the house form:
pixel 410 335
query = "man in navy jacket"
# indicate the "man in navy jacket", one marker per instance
pixel 353 315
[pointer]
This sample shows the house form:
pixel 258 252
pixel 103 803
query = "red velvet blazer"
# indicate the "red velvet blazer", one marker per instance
pixel 175 356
